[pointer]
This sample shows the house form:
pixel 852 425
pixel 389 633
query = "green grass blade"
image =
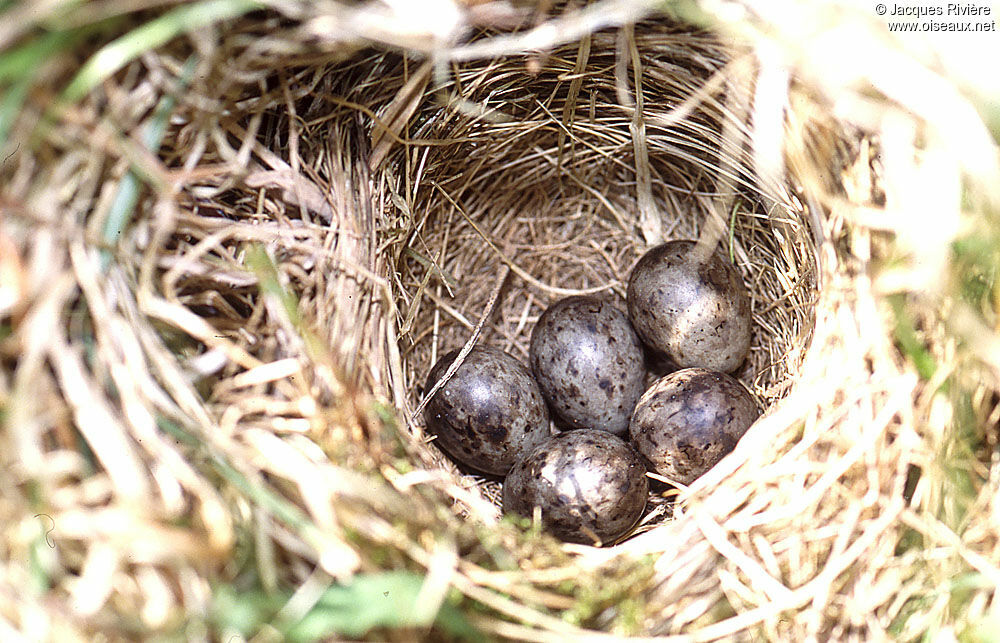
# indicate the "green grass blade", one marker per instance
pixel 40 581
pixel 11 101
pixel 245 611
pixel 268 500
pixel 261 265
pixel 128 191
pixel 19 67
pixel 386 600
pixel 151 35
pixel 23 61
pixel 906 336
pixel 381 600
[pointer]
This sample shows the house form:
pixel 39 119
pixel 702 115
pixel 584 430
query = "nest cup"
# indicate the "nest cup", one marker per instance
pixel 536 181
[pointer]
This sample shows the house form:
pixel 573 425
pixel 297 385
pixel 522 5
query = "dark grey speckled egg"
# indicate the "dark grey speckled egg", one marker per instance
pixel 590 485
pixel 489 413
pixel 696 313
pixel 588 362
pixel 689 420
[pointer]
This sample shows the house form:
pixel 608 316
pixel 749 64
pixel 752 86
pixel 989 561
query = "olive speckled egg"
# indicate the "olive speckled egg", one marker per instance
pixel 689 420
pixel 588 362
pixel 489 413
pixel 590 486
pixel 696 313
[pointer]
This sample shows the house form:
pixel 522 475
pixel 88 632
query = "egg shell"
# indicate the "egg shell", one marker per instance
pixel 588 484
pixel 588 362
pixel 689 420
pixel 489 413
pixel 696 313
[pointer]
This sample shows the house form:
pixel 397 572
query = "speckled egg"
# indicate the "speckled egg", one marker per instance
pixel 489 413
pixel 696 313
pixel 689 420
pixel 590 486
pixel 588 362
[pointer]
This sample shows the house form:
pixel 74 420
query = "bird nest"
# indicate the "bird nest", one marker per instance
pixel 537 179
pixel 228 267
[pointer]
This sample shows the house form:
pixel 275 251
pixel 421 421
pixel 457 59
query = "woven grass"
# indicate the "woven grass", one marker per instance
pixel 227 263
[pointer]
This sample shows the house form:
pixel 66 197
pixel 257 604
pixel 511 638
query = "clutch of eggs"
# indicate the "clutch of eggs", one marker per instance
pixel 588 367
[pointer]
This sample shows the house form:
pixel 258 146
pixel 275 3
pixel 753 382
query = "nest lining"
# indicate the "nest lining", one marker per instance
pixel 531 187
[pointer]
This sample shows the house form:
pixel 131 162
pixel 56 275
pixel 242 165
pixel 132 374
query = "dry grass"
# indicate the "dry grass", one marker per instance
pixel 227 264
